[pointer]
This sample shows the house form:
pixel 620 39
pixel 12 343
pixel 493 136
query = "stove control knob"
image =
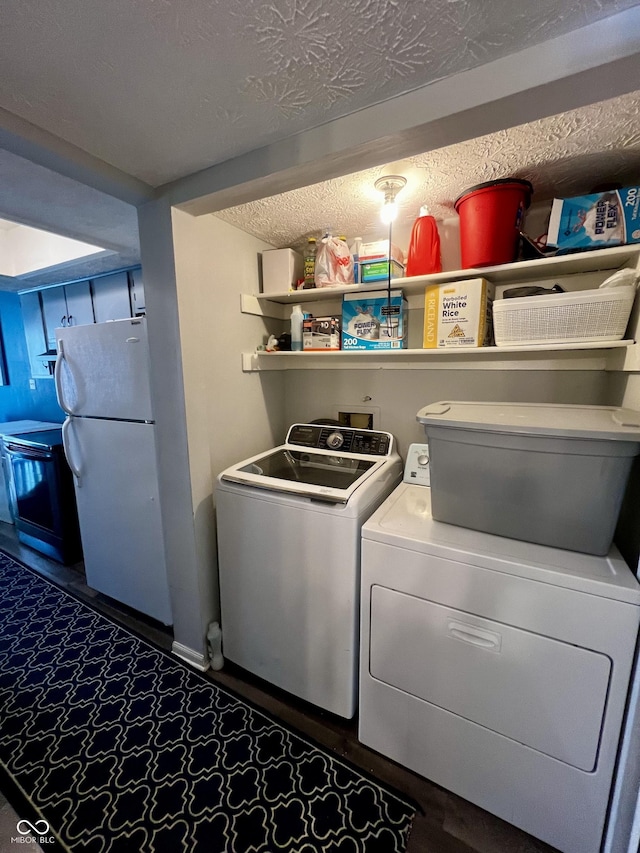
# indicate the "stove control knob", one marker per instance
pixel 335 440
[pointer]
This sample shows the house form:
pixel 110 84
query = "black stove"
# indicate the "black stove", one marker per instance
pixel 41 494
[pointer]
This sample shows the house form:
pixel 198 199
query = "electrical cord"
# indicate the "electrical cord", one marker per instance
pixel 389 324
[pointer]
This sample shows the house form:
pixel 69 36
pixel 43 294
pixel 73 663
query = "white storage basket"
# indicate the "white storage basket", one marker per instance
pixel 563 318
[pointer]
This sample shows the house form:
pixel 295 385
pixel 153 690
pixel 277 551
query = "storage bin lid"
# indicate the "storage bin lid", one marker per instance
pixel 566 421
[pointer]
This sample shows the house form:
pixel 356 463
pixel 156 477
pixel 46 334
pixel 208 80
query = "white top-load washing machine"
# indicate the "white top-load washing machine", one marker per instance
pixel 498 669
pixel 289 523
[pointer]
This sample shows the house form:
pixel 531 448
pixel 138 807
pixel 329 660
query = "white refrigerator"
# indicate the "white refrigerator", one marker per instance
pixel 102 384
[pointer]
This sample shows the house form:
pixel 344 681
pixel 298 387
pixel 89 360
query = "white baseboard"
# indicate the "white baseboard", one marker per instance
pixel 190 656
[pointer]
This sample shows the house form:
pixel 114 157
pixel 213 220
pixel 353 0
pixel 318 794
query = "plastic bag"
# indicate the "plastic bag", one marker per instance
pixel 334 263
pixel 622 278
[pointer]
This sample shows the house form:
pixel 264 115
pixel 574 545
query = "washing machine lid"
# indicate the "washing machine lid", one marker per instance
pixel 306 465
pixel 404 520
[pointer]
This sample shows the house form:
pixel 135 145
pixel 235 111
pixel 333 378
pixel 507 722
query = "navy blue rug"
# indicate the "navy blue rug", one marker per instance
pixel 117 746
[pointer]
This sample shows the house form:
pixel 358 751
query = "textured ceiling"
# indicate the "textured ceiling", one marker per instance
pixel 164 88
pixel 562 155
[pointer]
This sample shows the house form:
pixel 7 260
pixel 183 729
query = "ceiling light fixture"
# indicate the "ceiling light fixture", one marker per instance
pixel 390 185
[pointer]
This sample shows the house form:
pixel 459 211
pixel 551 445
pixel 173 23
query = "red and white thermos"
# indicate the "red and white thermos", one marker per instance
pixel 423 256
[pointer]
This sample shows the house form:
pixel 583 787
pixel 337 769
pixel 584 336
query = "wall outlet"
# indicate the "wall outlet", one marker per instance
pixel 32 384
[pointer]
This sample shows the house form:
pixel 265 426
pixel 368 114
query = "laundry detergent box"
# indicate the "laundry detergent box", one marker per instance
pixel 458 314
pixel 595 221
pixel 378 250
pixel 374 321
pixel 321 333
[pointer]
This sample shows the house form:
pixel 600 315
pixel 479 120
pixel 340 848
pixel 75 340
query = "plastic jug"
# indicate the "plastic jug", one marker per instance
pixel 297 318
pixel 214 642
pixel 423 256
pixel 310 264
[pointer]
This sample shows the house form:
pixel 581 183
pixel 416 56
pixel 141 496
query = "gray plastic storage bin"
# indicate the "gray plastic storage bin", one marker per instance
pixel 550 474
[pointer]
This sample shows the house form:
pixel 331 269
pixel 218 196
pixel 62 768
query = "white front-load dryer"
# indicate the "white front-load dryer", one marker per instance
pixel 496 668
pixel 289 523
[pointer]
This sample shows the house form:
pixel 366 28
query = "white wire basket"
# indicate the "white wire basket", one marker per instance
pixel 563 318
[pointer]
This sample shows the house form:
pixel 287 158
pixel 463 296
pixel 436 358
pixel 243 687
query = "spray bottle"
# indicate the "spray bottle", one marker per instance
pixel 423 256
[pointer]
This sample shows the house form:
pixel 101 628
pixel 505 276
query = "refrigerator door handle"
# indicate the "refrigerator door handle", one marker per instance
pixel 57 376
pixel 66 426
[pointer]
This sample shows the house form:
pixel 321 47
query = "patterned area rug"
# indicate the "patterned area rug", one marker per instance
pixel 120 747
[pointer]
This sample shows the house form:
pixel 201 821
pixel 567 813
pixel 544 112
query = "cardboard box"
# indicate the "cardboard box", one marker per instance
pixel 379 251
pixel 595 221
pixel 321 333
pixel 458 314
pixel 379 270
pixel 369 322
pixel 281 269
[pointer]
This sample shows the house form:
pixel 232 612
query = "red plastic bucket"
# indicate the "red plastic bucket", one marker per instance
pixel 491 216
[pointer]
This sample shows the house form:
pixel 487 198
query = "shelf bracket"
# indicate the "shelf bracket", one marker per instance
pixel 625 360
pixel 250 304
pixel 250 362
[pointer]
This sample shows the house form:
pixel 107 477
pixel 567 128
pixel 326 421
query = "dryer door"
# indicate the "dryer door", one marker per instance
pixel 540 692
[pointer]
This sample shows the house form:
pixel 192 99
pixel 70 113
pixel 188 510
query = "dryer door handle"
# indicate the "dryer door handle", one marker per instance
pixel 489 640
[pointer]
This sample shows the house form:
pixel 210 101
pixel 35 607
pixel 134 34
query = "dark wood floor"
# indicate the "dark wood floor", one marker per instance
pixel 448 824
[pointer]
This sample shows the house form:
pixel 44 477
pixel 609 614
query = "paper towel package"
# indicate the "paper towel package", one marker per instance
pixel 373 321
pixel 595 221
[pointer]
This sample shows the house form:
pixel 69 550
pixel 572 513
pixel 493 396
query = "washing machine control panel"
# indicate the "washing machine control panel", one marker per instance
pixel 346 440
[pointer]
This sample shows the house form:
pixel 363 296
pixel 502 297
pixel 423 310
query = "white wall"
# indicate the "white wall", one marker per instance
pixel 230 415
pixel 398 394
pixel 191 605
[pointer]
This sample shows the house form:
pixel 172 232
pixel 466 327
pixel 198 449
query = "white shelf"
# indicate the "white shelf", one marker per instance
pixel 522 271
pixel 602 355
